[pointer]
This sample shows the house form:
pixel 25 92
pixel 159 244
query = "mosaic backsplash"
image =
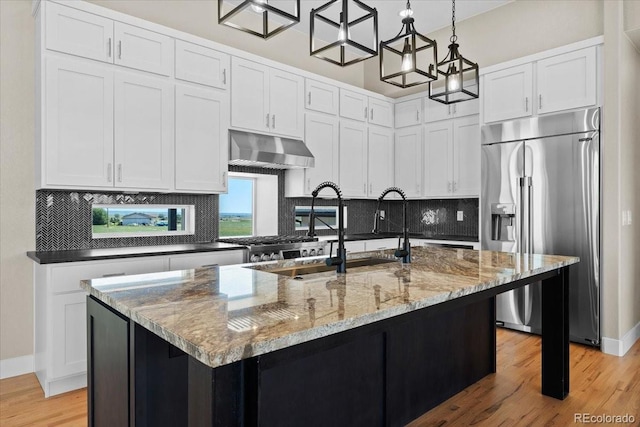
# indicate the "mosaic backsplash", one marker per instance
pixel 63 219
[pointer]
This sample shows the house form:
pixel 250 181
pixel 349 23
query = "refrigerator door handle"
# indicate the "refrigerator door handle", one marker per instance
pixel 529 185
pixel 521 237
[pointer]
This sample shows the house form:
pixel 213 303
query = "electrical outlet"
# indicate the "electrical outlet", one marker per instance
pixel 381 215
pixel 460 216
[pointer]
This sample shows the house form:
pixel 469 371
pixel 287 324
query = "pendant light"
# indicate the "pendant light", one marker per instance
pixel 258 17
pixel 415 63
pixel 461 79
pixel 336 22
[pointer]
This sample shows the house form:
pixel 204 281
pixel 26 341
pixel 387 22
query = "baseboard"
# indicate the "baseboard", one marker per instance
pixel 16 366
pixel 620 347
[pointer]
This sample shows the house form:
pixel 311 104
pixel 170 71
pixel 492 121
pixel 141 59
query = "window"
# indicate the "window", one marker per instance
pixel 236 208
pixel 142 220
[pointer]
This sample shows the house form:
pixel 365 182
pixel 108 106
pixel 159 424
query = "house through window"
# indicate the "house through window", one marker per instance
pixel 141 220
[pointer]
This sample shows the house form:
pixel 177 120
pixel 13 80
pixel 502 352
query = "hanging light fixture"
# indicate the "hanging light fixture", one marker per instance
pixel 336 40
pixel 461 79
pixel 415 63
pixel 258 17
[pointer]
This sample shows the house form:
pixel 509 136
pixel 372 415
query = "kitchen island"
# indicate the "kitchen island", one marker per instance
pixel 271 345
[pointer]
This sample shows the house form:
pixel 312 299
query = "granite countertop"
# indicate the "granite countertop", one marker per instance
pixel 52 257
pixel 220 315
pixel 393 234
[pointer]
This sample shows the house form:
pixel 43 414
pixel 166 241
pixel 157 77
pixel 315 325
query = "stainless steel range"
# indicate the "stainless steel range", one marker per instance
pixel 267 248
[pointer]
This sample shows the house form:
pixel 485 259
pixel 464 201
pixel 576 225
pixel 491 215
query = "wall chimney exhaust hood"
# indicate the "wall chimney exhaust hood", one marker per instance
pixel 252 149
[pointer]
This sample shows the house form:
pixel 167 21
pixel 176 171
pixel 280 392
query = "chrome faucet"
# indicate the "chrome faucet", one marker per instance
pixel 340 260
pixel 403 252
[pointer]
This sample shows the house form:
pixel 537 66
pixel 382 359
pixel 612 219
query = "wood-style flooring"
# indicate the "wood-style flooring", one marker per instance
pixel 600 385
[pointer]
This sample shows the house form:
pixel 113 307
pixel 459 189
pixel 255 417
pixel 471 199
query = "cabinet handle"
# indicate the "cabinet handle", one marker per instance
pixel 224 76
pixel 267 120
pixel 455 109
pixel 370 188
pixel 448 186
pixel 210 265
pixel 119 49
pixel 113 275
pixel 449 113
pixel 364 187
pixel 224 179
pixel 119 172
pixel 455 186
pixel 526 103
pixel 109 47
pixel 273 121
pixel 417 116
pixel 365 112
pixel 309 96
pixel 372 114
pixel 540 102
pixel 109 172
pixel 308 184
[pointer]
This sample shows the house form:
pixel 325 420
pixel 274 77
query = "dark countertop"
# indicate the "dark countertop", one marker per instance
pixel 387 235
pixel 53 257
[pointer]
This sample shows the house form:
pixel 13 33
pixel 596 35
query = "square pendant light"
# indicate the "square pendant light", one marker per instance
pixel 409 59
pixel 258 17
pixel 344 32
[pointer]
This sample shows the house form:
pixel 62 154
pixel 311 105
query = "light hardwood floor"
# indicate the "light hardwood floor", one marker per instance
pixel 600 385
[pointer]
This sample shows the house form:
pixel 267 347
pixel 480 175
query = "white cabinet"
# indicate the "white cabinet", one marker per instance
pixel 566 81
pixel 144 114
pixel 69 328
pixel 353 159
pixel 507 93
pixel 78 33
pixel 435 110
pixel 381 244
pixel 322 138
pixel 265 99
pixel 321 97
pixel 379 160
pixel 452 158
pixel 201 146
pixel 408 161
pixel 354 246
pixel 77 124
pixel 356 106
pixel 205 259
pixel 408 113
pixel 91 36
pixel 199 64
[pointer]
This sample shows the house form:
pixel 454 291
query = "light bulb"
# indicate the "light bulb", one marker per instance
pixel 407 58
pixel 256 8
pixel 343 33
pixel 454 82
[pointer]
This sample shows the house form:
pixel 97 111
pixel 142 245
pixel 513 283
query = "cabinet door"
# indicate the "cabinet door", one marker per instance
pixel 466 108
pixel 380 112
pixel 354 106
pixel 69 331
pixel 206 259
pixel 466 152
pixel 202 65
pixel 438 168
pixel 249 95
pixel 321 137
pixel 380 160
pixel 79 33
pixel 202 123
pixel 353 159
pixel 354 246
pixel 382 244
pixel 408 160
pixel 507 94
pixel 143 49
pixel 321 97
pixel 286 103
pixel 143 131
pixel 567 81
pixel 435 111
pixel 78 123
pixel 408 113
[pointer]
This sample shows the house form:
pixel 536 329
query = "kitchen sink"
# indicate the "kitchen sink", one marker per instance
pixel 299 270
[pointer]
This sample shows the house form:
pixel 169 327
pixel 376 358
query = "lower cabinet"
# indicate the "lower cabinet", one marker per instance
pixel 60 310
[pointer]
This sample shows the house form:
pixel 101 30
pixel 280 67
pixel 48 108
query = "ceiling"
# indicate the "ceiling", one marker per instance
pixel 429 15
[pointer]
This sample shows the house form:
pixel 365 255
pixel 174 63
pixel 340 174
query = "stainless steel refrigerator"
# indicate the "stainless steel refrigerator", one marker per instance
pixel 541 194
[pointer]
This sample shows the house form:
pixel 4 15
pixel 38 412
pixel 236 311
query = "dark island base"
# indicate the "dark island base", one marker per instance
pixel 386 373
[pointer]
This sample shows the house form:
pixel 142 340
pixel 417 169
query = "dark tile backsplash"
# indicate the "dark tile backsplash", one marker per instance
pixel 63 218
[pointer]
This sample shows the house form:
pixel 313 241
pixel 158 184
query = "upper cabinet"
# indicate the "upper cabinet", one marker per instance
pixel 353 159
pixel 321 97
pixel 557 83
pixel 379 160
pixel 567 81
pixel 408 160
pixel 199 64
pixel 266 100
pixel 408 113
pixel 356 106
pixel 435 110
pixel 507 94
pixel 84 34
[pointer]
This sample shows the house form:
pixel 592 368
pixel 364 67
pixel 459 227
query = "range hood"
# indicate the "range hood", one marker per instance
pixel 252 149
